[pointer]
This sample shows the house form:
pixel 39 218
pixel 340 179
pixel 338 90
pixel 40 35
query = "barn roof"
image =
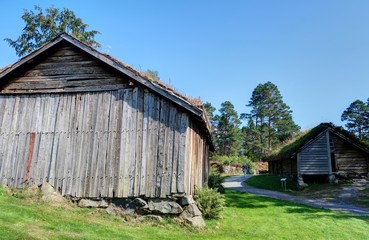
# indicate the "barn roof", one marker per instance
pixel 192 105
pixel 290 148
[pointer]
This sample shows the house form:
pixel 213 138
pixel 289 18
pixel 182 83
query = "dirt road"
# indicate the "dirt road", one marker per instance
pixel 237 183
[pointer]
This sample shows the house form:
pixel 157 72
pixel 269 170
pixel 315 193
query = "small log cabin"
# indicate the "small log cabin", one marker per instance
pixel 92 126
pixel 325 150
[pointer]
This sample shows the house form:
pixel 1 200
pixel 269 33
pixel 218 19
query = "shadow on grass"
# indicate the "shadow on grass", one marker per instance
pixel 251 201
pixel 317 213
pixel 243 200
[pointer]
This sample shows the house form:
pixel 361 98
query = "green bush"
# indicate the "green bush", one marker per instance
pixel 215 182
pixel 227 160
pixel 210 202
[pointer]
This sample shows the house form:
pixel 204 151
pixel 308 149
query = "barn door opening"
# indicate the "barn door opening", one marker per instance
pixel 333 163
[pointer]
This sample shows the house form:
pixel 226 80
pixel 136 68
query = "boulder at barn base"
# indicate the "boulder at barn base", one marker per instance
pixel 164 206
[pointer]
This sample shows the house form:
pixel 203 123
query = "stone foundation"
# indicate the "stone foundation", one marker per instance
pixel 182 207
pixel 300 183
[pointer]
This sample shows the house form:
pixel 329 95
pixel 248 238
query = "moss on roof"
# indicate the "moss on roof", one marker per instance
pixel 292 146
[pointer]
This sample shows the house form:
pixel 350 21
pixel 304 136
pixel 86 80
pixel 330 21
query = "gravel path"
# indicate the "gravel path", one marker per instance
pixel 237 183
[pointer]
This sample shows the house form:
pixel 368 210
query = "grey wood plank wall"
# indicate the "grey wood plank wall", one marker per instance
pixel 85 128
pixel 119 143
pixel 314 158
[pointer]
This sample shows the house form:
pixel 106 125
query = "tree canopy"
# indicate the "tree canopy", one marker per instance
pixel 43 26
pixel 356 117
pixel 269 121
pixel 227 131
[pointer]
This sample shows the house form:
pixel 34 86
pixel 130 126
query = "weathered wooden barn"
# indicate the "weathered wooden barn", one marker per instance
pixel 92 126
pixel 325 150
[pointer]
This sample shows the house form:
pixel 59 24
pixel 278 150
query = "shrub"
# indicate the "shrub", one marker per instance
pixel 210 202
pixel 231 160
pixel 215 182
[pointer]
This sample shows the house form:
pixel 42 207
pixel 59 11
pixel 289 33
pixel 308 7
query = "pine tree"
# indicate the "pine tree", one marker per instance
pixel 227 131
pixel 272 118
pixel 42 27
pixel 251 146
pixel 209 110
pixel 357 119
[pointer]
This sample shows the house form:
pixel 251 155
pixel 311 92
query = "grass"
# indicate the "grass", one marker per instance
pixel 271 182
pixel 246 216
pixel 326 191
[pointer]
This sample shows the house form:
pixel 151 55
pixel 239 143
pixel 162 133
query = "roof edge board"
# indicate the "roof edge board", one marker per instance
pixel 30 56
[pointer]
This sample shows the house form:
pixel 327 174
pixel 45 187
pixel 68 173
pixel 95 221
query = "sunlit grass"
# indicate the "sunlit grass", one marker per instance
pixel 271 182
pixel 246 216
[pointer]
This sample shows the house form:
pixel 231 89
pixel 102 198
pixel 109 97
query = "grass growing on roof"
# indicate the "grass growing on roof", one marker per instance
pixel 286 149
pixel 246 216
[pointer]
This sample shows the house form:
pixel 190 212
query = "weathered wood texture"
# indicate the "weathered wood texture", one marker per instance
pixel 349 159
pixel 284 167
pixel 65 70
pixel 314 158
pixel 120 143
pixel 78 124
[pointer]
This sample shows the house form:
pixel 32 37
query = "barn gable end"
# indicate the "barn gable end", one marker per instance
pixel 66 69
pixel 314 158
pixel 324 150
pixel 92 128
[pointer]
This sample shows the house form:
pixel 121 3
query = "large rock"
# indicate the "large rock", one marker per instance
pixel 103 204
pixel 164 207
pixel 331 178
pixel 300 183
pixel 196 221
pixel 111 210
pixel 193 216
pixel 186 200
pixel 87 203
pixel 140 203
pixel 124 203
pixel 51 196
pixel 47 189
pixel 190 211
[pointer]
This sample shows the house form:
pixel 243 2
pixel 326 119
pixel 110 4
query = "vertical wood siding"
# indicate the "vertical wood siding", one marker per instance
pixel 119 143
pixel 314 158
pixel 90 132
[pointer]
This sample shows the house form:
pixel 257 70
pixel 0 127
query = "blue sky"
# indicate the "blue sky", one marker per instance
pixel 316 52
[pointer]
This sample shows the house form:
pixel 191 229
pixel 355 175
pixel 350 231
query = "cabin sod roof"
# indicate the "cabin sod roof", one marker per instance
pixel 291 147
pixel 193 105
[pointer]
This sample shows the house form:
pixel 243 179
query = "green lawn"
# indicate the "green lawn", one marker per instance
pixel 329 192
pixel 271 182
pixel 246 217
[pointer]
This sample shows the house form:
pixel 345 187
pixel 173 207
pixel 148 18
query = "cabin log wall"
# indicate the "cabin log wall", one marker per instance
pixel 69 120
pixel 349 159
